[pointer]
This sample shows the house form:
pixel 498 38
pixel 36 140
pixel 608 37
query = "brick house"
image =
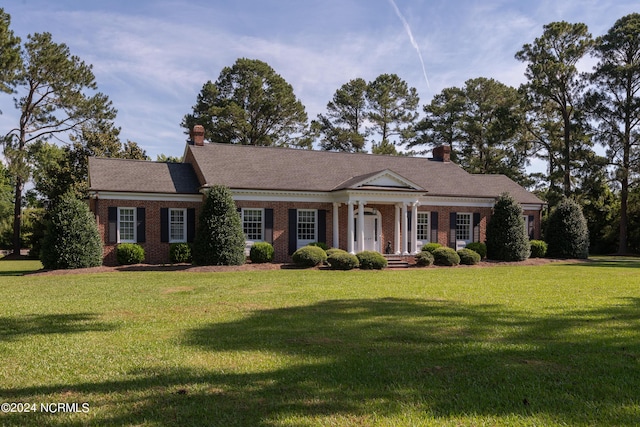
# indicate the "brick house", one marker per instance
pixel 291 197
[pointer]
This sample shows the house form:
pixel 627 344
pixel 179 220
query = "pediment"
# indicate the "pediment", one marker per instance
pixel 386 179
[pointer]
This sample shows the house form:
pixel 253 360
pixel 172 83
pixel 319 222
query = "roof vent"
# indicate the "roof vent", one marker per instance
pixel 442 153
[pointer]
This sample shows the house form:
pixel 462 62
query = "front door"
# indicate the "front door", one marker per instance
pixel 372 224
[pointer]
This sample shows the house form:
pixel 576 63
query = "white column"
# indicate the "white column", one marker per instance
pixel 350 227
pixel 414 228
pixel 405 231
pixel 336 226
pixel 360 226
pixel 396 242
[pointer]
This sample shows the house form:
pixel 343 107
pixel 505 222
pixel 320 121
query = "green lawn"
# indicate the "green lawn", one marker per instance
pixel 548 345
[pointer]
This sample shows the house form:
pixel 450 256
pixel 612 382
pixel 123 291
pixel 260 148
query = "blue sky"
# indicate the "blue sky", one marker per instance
pixel 152 57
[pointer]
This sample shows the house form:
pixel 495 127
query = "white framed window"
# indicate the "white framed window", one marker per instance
pixel 423 230
pixel 463 227
pixel 253 224
pixel 126 225
pixel 307 226
pixel 177 225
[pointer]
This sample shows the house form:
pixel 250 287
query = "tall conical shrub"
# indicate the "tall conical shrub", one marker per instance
pixel 567 234
pixel 72 239
pixel 507 238
pixel 220 239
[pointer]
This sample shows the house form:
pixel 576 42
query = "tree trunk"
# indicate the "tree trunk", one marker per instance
pixel 624 195
pixel 567 154
pixel 17 216
pixel 623 246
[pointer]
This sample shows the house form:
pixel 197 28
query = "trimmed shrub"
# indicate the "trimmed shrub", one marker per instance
pixel 371 260
pixel 567 234
pixel 129 253
pixel 538 248
pixel 332 251
pixel 220 239
pixel 507 238
pixel 342 261
pixel 446 256
pixel 430 247
pixel 424 258
pixel 179 252
pixel 261 252
pixel 309 256
pixel 71 239
pixel 478 247
pixel 322 245
pixel 468 256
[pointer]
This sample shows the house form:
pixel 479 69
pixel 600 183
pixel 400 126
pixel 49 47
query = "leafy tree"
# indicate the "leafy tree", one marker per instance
pixel 507 238
pixel 342 129
pixel 72 239
pixel 392 110
pixel 6 207
pixel 220 239
pixel 615 104
pixel 6 192
pixel 168 159
pixel 53 99
pixel 250 104
pixel 567 234
pixel 600 206
pixel 65 169
pixel 554 82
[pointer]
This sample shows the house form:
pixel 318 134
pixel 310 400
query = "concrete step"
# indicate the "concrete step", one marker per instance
pixel 397 261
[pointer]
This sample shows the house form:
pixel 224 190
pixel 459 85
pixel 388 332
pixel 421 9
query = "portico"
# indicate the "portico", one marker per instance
pixel 364 225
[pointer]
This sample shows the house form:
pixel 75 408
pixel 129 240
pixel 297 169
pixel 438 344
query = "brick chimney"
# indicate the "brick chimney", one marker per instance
pixel 197 135
pixel 442 153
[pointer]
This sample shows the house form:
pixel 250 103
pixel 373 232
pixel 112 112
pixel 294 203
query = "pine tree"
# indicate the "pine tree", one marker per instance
pixel 507 238
pixel 220 239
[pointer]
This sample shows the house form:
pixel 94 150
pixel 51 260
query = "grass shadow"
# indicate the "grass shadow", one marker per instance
pixel 610 261
pixel 20 326
pixel 18 267
pixel 359 361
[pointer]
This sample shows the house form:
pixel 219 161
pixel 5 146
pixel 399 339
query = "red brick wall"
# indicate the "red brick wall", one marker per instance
pixel 281 223
pixel 156 252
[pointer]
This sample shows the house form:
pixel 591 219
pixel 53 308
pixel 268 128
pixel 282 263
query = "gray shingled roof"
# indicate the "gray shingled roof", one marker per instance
pixel 268 168
pixel 108 174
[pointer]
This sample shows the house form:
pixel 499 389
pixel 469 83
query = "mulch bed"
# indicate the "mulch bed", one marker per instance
pixel 259 267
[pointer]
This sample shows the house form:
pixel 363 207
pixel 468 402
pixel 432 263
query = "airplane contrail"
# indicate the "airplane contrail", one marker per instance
pixel 413 41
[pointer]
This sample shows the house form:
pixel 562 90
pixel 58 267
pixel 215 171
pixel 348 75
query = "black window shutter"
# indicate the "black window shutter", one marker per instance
pixel 112 218
pixel 531 227
pixel 140 225
pixel 164 225
pixel 434 227
pixel 268 226
pixel 293 231
pixel 322 225
pixel 453 217
pixel 191 224
pixel 476 226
